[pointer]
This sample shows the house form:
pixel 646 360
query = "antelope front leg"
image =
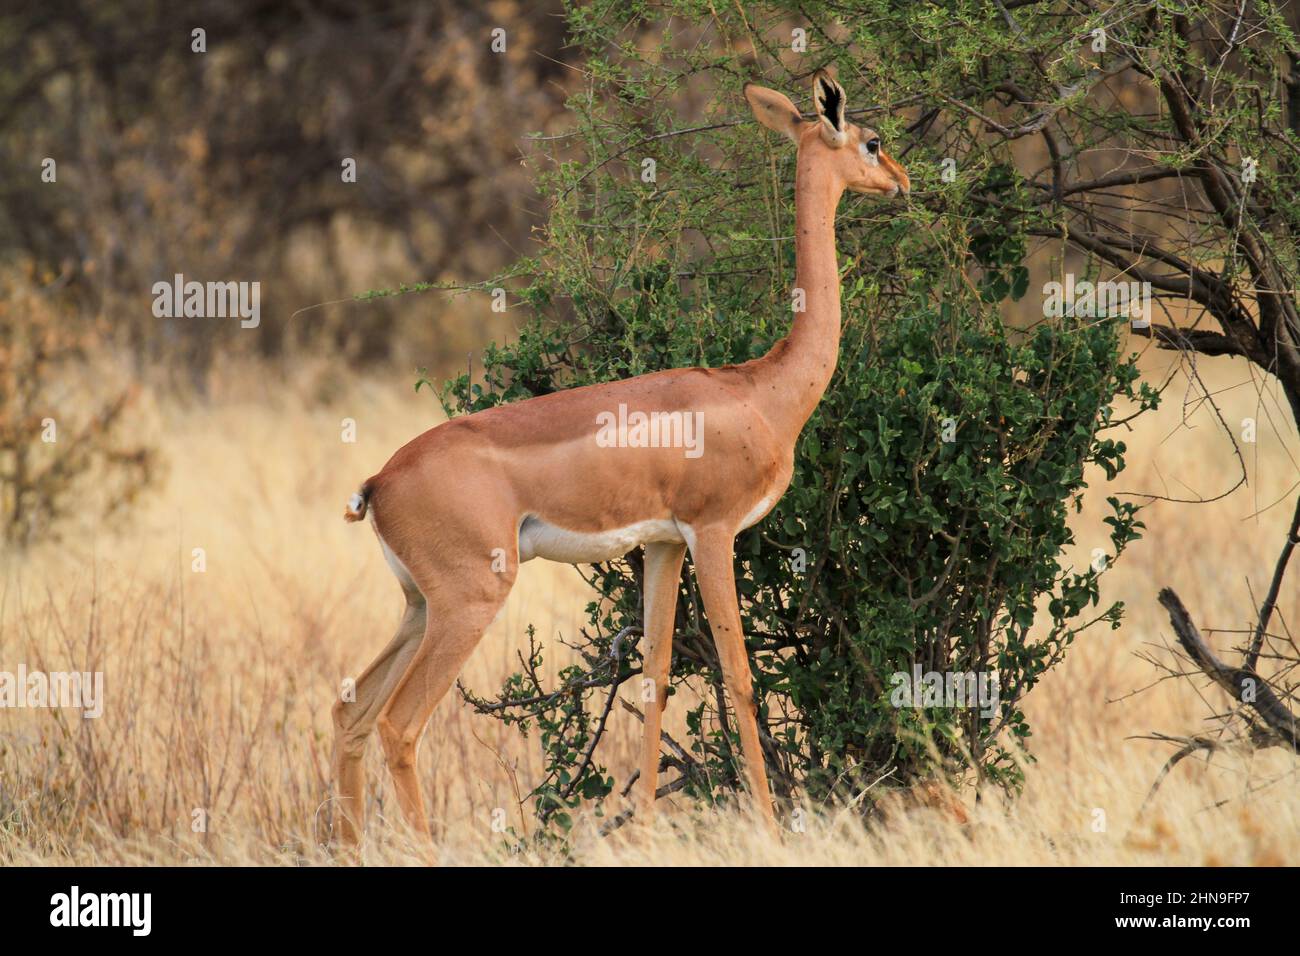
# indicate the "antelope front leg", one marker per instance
pixel 663 569
pixel 715 572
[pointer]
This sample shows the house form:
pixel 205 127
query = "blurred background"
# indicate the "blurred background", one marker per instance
pixel 227 165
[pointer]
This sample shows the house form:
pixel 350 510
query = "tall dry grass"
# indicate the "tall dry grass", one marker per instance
pixel 219 683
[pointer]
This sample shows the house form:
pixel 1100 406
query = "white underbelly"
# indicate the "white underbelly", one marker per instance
pixel 757 513
pixel 538 539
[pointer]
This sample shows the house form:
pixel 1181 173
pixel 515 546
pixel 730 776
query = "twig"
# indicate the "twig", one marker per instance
pixel 1270 601
pixel 673 745
pixel 1190 746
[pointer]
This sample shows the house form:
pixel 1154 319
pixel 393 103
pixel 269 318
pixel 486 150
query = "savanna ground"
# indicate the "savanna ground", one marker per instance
pixel 219 683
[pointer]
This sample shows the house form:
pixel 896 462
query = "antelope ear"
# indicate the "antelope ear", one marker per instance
pixel 828 100
pixel 774 110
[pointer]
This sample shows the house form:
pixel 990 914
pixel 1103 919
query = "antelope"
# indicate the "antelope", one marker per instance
pixel 532 480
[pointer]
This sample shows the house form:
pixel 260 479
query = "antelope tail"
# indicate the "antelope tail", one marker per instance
pixel 358 504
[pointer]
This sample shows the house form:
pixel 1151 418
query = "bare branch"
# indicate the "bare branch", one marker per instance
pixel 1243 684
pixel 1194 340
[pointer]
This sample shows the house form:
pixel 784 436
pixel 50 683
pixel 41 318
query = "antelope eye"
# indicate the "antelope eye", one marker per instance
pixel 873 146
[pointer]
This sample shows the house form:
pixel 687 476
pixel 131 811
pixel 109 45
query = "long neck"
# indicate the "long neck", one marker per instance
pixel 795 373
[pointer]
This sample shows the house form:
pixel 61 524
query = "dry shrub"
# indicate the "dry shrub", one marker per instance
pixel 61 415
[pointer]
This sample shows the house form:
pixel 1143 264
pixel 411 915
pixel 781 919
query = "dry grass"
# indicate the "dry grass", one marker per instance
pixel 219 683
